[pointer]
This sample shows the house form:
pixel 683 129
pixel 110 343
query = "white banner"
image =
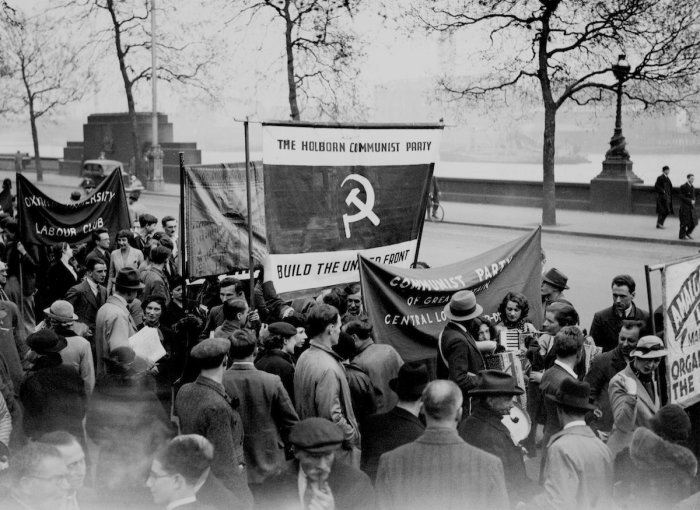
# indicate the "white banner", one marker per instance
pixel 681 302
pixel 291 272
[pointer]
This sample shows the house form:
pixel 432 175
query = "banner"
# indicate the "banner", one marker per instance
pixel 406 305
pixel 216 214
pixel 680 286
pixel 44 221
pixel 334 191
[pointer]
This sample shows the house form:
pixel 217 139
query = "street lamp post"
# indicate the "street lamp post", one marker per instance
pixel 155 155
pixel 611 190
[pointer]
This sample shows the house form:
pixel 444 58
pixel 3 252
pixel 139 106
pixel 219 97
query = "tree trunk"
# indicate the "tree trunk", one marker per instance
pixel 128 85
pixel 549 199
pixel 293 106
pixel 35 141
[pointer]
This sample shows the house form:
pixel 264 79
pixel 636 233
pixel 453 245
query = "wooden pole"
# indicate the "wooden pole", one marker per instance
pixel 251 269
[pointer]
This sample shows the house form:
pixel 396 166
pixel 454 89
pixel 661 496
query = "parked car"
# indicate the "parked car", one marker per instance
pixel 95 170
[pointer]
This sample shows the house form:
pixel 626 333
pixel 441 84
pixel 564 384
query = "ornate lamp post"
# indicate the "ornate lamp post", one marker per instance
pixel 611 190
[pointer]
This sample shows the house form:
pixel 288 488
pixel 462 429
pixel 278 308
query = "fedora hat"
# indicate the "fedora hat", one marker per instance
pixel 46 341
pixel 128 278
pixel 61 311
pixel 649 347
pixel 463 306
pixel 410 382
pixel 574 394
pixel 556 278
pixel 495 382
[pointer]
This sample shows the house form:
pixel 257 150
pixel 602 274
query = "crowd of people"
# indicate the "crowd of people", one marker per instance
pixel 115 394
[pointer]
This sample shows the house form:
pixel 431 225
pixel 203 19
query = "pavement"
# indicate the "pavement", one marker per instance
pixel 628 227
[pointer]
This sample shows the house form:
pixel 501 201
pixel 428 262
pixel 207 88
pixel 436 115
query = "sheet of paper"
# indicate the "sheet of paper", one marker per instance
pixel 146 344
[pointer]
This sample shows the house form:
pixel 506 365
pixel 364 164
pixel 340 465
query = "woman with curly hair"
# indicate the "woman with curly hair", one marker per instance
pixel 515 329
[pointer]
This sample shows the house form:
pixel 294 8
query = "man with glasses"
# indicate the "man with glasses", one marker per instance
pixel 39 479
pixel 74 458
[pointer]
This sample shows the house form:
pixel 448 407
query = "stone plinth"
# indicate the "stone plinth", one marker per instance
pixel 611 190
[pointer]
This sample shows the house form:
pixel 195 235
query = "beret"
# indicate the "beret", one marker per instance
pixel 210 348
pixel 316 435
pixel 282 328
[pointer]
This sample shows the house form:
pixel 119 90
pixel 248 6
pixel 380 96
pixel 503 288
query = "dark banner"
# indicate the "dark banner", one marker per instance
pixel 44 221
pixel 333 191
pixel 216 214
pixel 406 305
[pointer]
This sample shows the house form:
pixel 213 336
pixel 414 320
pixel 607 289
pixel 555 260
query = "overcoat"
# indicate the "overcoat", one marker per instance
pixel 687 215
pixel 603 368
pixel 113 327
pixel 464 361
pixel 382 363
pixel 664 200
pixel 605 328
pixel 280 363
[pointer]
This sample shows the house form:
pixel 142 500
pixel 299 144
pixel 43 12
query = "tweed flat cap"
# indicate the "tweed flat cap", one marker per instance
pixel 210 348
pixel 282 328
pixel 316 435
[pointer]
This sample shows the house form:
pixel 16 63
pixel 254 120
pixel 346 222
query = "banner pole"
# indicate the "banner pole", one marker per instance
pixel 20 220
pixel 183 230
pixel 647 270
pixel 251 269
pixel 425 210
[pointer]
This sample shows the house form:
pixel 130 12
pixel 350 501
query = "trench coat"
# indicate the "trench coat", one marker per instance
pixel 687 215
pixel 664 200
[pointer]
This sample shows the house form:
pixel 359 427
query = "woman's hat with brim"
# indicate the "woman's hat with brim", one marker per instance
pixel 410 382
pixel 574 394
pixel 556 278
pixel 61 311
pixel 649 347
pixel 46 341
pixel 128 278
pixel 494 383
pixel 463 306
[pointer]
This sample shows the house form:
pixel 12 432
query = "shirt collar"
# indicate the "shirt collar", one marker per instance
pixel 575 423
pixel 92 284
pixel 121 300
pixel 180 502
pixel 566 367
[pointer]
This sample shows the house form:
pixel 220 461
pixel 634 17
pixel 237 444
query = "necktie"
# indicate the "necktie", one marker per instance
pixel 3 296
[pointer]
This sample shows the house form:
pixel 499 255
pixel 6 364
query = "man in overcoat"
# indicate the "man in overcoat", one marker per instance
pixel 664 201
pixel 386 431
pixel 439 469
pixel 459 359
pixel 492 399
pixel 687 215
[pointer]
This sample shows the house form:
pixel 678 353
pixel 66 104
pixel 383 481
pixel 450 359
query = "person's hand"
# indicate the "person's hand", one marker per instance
pixel 536 377
pixel 21 249
pixel 630 384
pixel 322 497
pixel 253 316
pixel 264 331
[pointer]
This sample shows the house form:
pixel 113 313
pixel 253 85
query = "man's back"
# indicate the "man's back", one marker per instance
pixel 440 470
pixel 603 368
pixel 382 363
pixel 267 414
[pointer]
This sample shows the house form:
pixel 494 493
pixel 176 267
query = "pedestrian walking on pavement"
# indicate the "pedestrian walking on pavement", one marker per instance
pixel 664 202
pixel 687 214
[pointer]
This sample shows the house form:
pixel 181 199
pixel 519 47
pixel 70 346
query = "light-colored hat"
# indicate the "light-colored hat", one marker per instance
pixel 61 311
pixel 649 347
pixel 463 306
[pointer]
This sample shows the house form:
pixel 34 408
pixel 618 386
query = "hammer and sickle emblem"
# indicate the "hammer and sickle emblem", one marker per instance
pixel 364 208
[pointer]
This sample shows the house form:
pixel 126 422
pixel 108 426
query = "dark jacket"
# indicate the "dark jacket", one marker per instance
pixel 213 493
pixel 351 488
pixel 362 393
pixel 551 382
pixel 605 328
pixel 384 432
pixel 85 303
pixel 279 363
pixel 464 361
pixel 58 280
pixel 664 201
pixel 484 429
pixel 268 415
pixel 204 408
pixel 654 473
pixel 687 214
pixel 603 368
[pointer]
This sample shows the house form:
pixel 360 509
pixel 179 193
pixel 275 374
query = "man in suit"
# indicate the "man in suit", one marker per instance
pixel 316 476
pixel 229 288
pixel 459 359
pixel 439 469
pixel 102 244
pixel 604 367
pixel 89 295
pixel 493 399
pixel 205 408
pixel 606 324
pixel 265 408
pixel 687 215
pixel 664 202
pixel 578 467
pixel 384 432
pixel 114 324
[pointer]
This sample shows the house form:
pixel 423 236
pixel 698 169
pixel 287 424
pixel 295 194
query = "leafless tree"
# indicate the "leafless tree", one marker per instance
pixel 43 70
pixel 320 50
pixel 566 48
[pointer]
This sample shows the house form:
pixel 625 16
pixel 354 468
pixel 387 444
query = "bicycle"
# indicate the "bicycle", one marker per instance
pixel 434 211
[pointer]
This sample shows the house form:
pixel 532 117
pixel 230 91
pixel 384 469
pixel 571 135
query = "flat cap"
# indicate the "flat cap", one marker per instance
pixel 282 328
pixel 316 435
pixel 210 348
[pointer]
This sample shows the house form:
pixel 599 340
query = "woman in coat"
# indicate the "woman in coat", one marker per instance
pixel 634 393
pixel 125 255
